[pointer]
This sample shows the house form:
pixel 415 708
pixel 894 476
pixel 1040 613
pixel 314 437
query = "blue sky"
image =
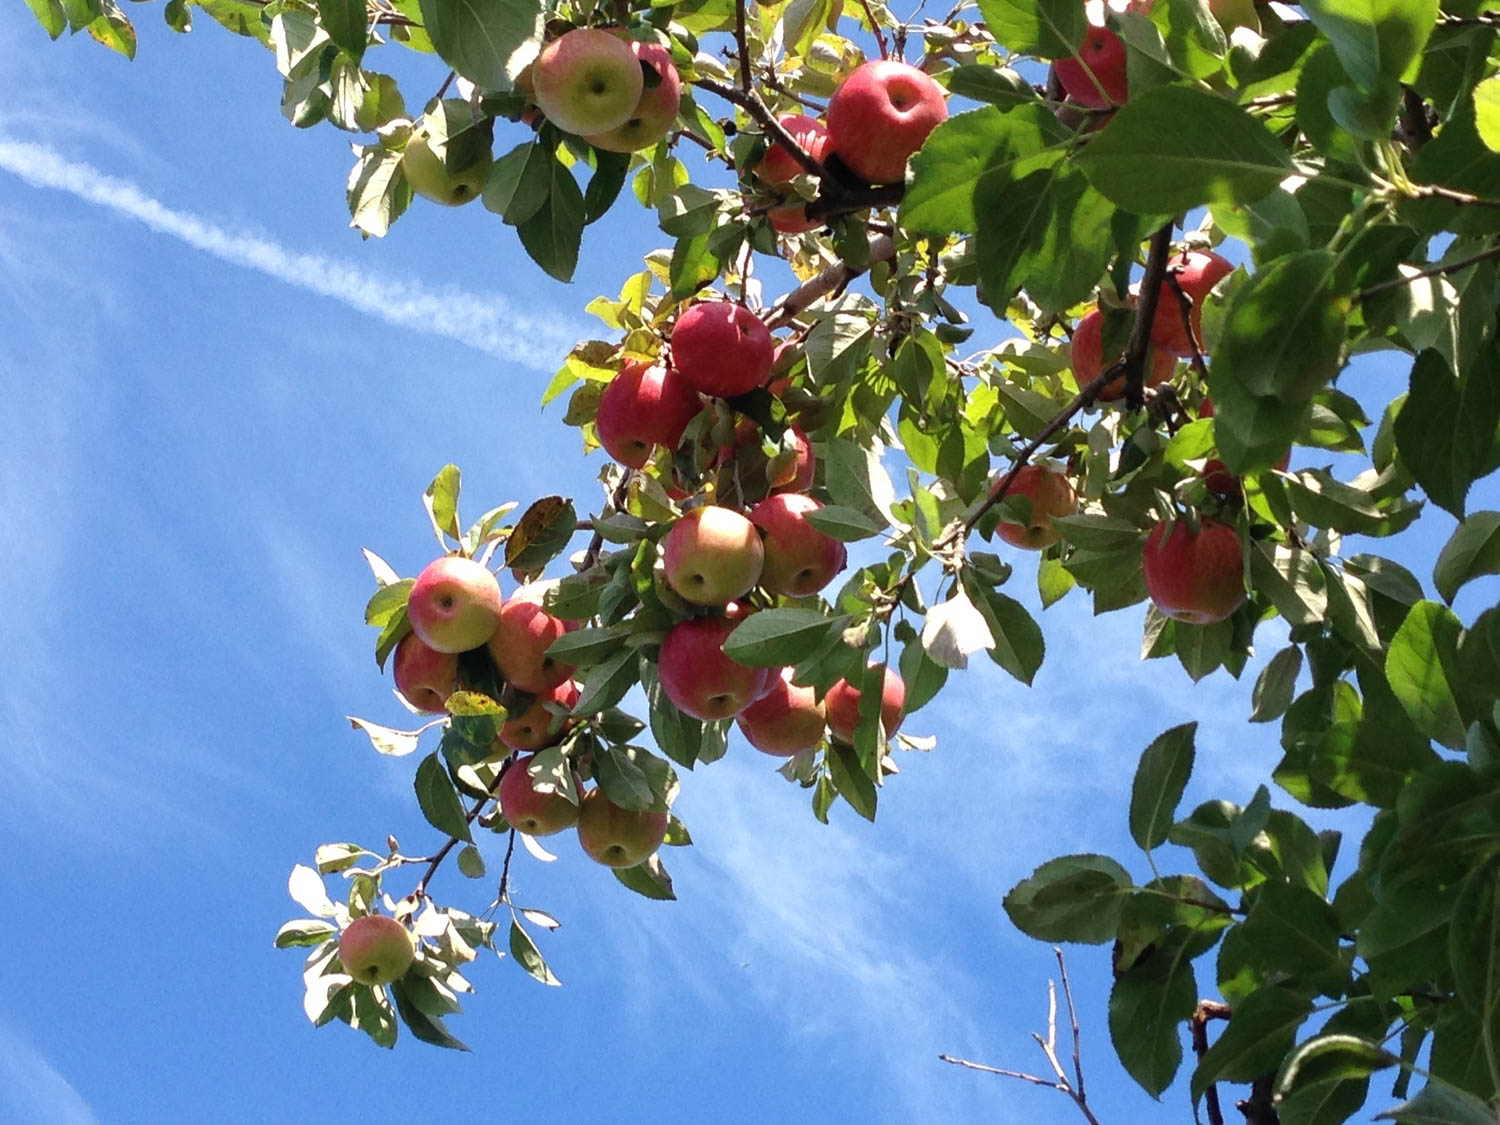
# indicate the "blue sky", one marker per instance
pixel 215 394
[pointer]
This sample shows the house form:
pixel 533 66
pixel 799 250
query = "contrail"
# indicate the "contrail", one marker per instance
pixel 488 322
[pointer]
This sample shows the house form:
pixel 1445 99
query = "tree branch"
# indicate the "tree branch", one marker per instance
pixel 835 279
pixel 1207 1010
pixel 885 51
pixel 746 80
pixel 750 102
pixel 1433 271
pixel 420 891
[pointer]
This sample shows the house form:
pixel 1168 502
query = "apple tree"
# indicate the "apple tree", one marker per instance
pixel 1191 214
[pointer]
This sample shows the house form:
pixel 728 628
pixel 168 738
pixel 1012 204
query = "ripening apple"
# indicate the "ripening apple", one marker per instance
pixel 791 218
pixel 536 814
pixel 799 476
pixel 645 405
pixel 1095 77
pixel 454 605
pixel 712 555
pixel 880 115
pixel 1050 494
pixel 788 718
pixel 778 165
pixel 699 678
pixel 431 178
pixel 722 348
pixel 800 559
pixel 1194 576
pixel 519 647
pixel 536 726
pixel 424 676
pixel 587 81
pixel 1197 272
pixel 656 110
pixel 842 704
pixel 376 949
pixel 618 837
pixel 1089 362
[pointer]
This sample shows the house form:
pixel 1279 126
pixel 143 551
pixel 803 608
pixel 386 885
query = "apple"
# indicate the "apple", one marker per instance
pixel 721 348
pixel 800 559
pixel 587 81
pixel 519 647
pixel 654 113
pixel 1197 272
pixel 712 555
pixel 1216 475
pixel 1050 495
pixel 1089 362
pixel 376 949
pixel 424 676
pixel 791 218
pixel 618 837
pixel 842 704
pixel 1095 76
pixel 536 726
pixel 643 406
pixel 786 719
pixel 1194 576
pixel 536 814
pixel 431 178
pixel 880 115
pixel 454 605
pixel 778 166
pixel 696 675
pixel 798 477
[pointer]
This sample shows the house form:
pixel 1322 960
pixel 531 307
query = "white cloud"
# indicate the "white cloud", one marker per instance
pixel 488 322
pixel 32 1089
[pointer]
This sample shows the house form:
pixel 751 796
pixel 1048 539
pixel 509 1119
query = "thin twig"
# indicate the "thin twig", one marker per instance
pixel 441 854
pixel 503 895
pixel 1433 271
pixel 1452 195
pixel 885 51
pixel 750 102
pixel 746 79
pixel 1062 968
pixel 1198 1025
pixel 616 500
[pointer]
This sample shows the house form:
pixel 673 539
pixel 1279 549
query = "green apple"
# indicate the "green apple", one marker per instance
pixel 712 555
pixel 454 605
pixel 376 950
pixel 587 81
pixel 432 179
pixel 655 113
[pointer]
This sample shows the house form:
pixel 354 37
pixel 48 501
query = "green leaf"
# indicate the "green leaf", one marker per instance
pixel 774 638
pixel 386 740
pixel 424 1026
pixel 1019 647
pixel 848 525
pixel 1445 431
pixel 1050 29
pixel 1292 930
pixel 528 956
pixel 1161 776
pixel 1440 1104
pixel 621 773
pixel 605 184
pixel 114 29
pixel 542 534
pixel 1474 941
pixel 998 86
pixel 441 500
pixel 332 858
pixel 1329 1060
pixel 1173 148
pixel 304 931
pixel 1147 1007
pixel 648 879
pixel 1275 685
pixel 1292 579
pixel 50 14
pixel 1071 898
pixel 586 647
pixel 439 801
pixel 1486 109
pixel 1423 670
pixel 553 235
pixel 470 862
pixel 1376 40
pixel 1260 1033
pixel 850 779
pixel 607 683
pixel 344 20
pixel 517 185
pixel 387 602
pixel 489 42
pixel 1473 550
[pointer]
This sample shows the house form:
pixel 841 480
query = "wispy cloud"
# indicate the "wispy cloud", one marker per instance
pixel 32 1089
pixel 489 322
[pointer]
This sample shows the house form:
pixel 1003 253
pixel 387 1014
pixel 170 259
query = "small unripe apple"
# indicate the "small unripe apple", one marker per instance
pixel 1096 76
pixel 587 81
pixel 656 110
pixel 1194 577
pixel 712 555
pixel 786 719
pixel 721 348
pixel 1051 495
pixel 519 647
pixel 800 559
pixel 842 704
pixel 1197 272
pixel 696 675
pixel 1089 363
pixel 532 728
pixel 645 405
pixel 536 814
pixel 454 606
pixel 424 676
pixel 880 115
pixel 431 178
pixel 618 837
pixel 376 950
pixel 778 166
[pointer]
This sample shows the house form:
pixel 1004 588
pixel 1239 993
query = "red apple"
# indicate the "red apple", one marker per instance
pixel 786 719
pixel 519 647
pixel 656 110
pixel 423 675
pixel 799 477
pixel 842 703
pixel 721 348
pixel 800 559
pixel 791 218
pixel 1095 76
pixel 618 837
pixel 643 406
pixel 778 165
pixel 587 81
pixel 1197 272
pixel 533 728
pixel 454 604
pixel 712 555
pixel 696 675
pixel 880 115
pixel 1050 495
pixel 536 814
pixel 1089 362
pixel 1195 577
pixel 376 950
